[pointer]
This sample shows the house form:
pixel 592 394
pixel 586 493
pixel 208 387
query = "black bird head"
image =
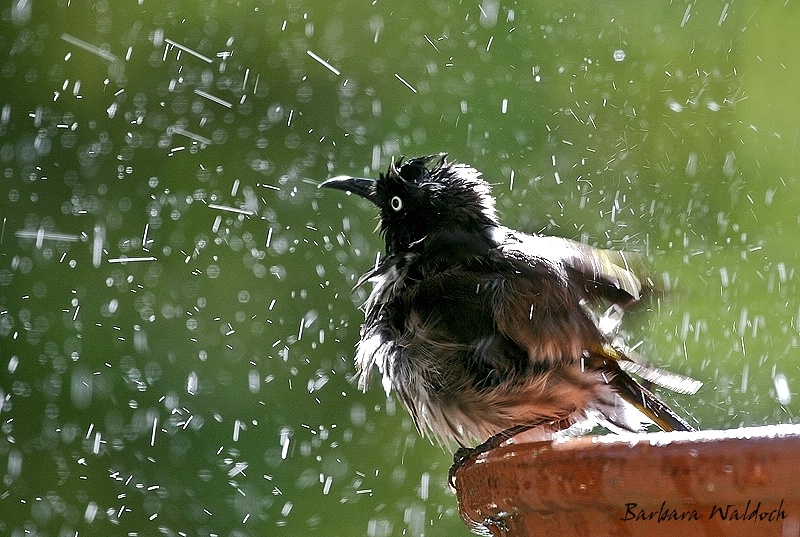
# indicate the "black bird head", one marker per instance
pixel 416 199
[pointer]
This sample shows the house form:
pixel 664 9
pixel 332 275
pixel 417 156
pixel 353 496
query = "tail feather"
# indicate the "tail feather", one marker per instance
pixel 647 403
pixel 614 364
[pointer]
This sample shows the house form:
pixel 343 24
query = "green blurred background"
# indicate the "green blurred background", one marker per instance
pixel 201 387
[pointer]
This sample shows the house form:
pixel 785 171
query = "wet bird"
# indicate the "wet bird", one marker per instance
pixel 485 332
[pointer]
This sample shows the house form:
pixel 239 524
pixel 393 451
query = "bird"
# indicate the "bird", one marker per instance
pixel 485 332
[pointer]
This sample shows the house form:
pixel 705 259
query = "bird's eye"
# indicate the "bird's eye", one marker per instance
pixel 396 203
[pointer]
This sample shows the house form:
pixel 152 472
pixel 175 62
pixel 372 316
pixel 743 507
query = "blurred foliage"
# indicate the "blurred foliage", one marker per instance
pixel 176 316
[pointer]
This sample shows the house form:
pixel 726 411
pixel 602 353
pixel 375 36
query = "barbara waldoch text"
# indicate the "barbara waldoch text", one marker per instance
pixel 752 511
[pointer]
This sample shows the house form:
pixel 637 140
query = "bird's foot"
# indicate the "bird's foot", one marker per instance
pixel 465 454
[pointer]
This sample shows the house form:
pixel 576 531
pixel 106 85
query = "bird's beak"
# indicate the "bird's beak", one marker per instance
pixel 357 185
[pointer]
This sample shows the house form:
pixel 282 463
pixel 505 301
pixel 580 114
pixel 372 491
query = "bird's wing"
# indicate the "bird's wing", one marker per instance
pixel 603 274
pixel 537 305
pixel 540 307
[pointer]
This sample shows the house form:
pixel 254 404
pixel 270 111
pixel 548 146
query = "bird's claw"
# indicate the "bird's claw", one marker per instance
pixel 460 458
pixel 465 454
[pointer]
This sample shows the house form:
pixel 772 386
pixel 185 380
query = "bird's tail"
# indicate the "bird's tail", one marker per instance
pixel 616 364
pixel 647 403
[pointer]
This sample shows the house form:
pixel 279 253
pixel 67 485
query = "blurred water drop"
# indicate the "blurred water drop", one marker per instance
pixel 674 105
pixel 81 387
pixel 414 517
pixel 619 55
pixel 691 164
pixel 742 326
pixel 285 438
pixel 91 512
pixel 238 426
pixel 21 12
pixel 782 392
pixel 191 383
pixel 379 528
pixel 98 441
pixel 358 414
pixel 14 463
pixel 253 381
pixel 745 377
pixel 729 166
pixel 489 10
pixel 315 384
pixel 140 339
pixel 424 486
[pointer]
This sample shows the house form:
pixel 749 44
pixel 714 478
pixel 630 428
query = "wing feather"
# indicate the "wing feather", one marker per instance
pixel 604 274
